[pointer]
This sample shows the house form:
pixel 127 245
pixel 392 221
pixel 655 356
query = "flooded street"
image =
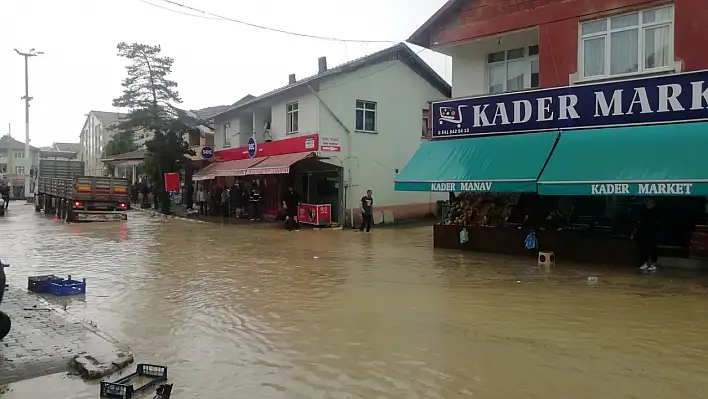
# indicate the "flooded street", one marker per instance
pixel 257 312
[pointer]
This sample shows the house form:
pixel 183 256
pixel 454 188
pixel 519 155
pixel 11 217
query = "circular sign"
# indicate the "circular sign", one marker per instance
pixel 207 152
pixel 252 147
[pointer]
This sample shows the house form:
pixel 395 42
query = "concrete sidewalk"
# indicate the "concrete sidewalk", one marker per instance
pixel 45 339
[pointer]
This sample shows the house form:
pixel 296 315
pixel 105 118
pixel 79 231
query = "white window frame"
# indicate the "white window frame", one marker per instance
pixel 364 111
pixel 292 113
pixel 227 134
pixel 19 155
pixel 19 169
pixel 528 59
pixel 641 27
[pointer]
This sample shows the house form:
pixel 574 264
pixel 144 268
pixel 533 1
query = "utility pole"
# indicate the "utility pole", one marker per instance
pixel 27 98
pixel 10 154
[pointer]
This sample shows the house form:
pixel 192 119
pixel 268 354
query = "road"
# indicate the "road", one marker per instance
pixel 258 312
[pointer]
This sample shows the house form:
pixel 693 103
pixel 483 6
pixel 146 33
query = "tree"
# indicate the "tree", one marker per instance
pixel 120 143
pixel 151 99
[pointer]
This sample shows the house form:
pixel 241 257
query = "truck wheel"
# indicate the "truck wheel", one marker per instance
pixel 5 325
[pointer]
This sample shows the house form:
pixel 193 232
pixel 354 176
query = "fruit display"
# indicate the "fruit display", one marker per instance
pixel 485 209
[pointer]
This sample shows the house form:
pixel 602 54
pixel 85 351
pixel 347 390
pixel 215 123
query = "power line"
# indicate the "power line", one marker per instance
pixel 210 15
pixel 182 12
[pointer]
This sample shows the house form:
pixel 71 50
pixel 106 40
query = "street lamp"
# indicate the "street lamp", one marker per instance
pixel 27 98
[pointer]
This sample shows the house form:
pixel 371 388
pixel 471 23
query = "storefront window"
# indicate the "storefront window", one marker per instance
pixel 627 44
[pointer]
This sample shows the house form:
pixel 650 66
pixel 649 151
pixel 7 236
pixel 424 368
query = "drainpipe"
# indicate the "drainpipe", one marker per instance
pixel 347 192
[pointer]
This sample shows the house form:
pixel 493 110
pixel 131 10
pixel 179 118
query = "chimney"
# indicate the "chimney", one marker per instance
pixel 291 79
pixel 322 63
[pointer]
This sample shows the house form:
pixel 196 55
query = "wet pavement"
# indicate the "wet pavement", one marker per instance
pixel 45 338
pixel 256 312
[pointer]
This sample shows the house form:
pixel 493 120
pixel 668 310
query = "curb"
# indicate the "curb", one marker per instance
pixel 153 213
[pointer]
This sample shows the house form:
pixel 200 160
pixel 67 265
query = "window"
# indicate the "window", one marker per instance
pixel 227 134
pixel 19 155
pixel 627 44
pixel 20 170
pixel 513 70
pixel 426 124
pixel 291 118
pixel 3 168
pixel 365 116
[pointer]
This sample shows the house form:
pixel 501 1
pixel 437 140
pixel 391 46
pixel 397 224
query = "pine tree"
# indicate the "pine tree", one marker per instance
pixel 151 99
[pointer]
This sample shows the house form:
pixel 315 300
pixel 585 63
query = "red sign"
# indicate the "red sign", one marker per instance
pixel 171 182
pixel 318 215
pixel 307 143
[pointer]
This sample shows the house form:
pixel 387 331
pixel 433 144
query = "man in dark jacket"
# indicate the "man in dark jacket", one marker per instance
pixel 290 202
pixel 5 194
pixel 646 234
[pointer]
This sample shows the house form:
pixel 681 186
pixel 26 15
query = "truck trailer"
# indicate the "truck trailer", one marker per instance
pixel 62 190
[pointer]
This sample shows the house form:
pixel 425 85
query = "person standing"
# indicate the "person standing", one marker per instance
pixel 367 211
pixel 190 196
pixel 5 194
pixel 224 201
pixel 291 200
pixel 646 234
pixel 202 198
pixel 255 199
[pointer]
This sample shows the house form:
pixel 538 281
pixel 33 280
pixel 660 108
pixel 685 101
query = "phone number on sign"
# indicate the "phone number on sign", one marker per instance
pixel 453 131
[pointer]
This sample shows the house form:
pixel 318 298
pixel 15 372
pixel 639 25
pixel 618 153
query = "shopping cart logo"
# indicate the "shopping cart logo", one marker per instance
pixel 451 115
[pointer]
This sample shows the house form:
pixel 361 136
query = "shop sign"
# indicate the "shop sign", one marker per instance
pixel 663 99
pixel 310 143
pixel 641 189
pixel 330 144
pixel 462 186
pixel 207 152
pixel 252 147
pixel 172 182
pixel 277 170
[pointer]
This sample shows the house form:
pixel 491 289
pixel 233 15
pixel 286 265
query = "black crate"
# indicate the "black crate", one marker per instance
pixel 39 284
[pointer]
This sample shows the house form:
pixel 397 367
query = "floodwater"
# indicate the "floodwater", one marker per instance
pixel 257 312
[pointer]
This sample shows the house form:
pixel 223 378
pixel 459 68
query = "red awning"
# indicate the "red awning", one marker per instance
pixel 278 164
pixel 228 168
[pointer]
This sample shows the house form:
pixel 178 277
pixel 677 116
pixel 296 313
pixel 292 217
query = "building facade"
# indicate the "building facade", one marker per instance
pixel 508 45
pixel 94 136
pixel 363 118
pixel 564 101
pixel 14 166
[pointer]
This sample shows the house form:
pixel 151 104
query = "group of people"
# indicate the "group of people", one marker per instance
pixel 225 201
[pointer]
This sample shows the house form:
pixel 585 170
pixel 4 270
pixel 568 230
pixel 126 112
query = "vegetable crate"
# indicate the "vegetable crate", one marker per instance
pixel 124 388
pixel 40 284
pixel 66 287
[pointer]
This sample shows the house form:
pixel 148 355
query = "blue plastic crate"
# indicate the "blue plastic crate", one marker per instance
pixel 39 284
pixel 67 287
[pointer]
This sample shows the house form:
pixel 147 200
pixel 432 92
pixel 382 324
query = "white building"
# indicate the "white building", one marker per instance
pixel 368 116
pixel 96 133
pixel 14 166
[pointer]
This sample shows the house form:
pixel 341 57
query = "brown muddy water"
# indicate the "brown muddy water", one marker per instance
pixel 257 312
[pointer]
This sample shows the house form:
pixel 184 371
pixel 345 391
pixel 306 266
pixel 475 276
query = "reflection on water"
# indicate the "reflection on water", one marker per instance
pixel 258 312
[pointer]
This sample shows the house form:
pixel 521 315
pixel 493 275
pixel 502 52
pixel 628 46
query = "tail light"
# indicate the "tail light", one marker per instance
pixel 78 204
pixel 123 205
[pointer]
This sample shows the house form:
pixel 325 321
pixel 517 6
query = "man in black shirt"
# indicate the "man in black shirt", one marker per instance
pixel 367 209
pixel 255 199
pixel 647 233
pixel 290 203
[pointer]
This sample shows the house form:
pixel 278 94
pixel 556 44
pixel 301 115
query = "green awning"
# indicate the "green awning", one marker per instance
pixel 637 161
pixel 509 163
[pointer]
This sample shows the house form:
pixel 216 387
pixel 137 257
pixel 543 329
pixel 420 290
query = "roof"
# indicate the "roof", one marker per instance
pixel 207 113
pixel 421 36
pixel 67 147
pixel 109 118
pixel 133 155
pixel 399 51
pixel 9 142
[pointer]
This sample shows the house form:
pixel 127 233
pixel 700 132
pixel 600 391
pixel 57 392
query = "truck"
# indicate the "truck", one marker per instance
pixel 63 190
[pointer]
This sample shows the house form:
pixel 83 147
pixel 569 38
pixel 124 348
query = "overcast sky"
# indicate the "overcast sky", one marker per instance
pixel 216 62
